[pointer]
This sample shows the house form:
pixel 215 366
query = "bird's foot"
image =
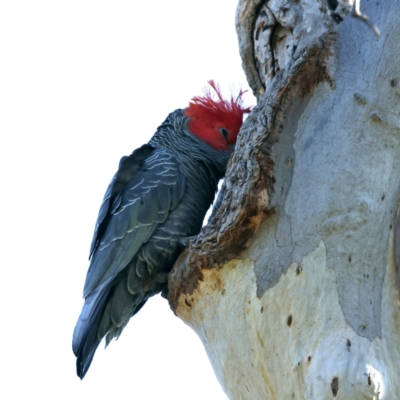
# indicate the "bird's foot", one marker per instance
pixel 185 241
pixel 164 293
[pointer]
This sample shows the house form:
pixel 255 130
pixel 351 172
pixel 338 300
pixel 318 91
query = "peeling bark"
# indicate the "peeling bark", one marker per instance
pixel 292 284
pixel 249 181
pixel 273 34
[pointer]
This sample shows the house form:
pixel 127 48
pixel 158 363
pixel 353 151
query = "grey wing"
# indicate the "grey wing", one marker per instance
pixel 128 167
pixel 147 186
pixel 139 198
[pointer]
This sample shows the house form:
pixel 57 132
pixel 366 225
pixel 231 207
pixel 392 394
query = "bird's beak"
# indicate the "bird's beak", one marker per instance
pixel 231 147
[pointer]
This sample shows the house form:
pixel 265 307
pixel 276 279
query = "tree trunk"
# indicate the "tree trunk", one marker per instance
pixel 292 284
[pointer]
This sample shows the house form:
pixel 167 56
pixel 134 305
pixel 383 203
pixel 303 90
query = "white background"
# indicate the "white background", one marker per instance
pixel 83 83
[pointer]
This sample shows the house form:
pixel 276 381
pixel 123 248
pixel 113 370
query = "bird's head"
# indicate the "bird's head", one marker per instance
pixel 216 122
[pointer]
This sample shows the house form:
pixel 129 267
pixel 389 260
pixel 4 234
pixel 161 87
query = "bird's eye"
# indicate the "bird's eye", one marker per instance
pixel 224 132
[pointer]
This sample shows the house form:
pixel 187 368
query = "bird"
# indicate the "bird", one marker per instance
pixel 158 197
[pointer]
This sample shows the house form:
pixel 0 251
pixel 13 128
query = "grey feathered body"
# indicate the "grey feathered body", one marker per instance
pixel 159 196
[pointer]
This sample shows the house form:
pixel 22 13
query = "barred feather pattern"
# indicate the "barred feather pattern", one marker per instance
pixel 158 196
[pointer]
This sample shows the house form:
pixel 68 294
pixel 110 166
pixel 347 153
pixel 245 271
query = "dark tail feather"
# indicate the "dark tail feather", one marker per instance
pixel 85 339
pixel 87 335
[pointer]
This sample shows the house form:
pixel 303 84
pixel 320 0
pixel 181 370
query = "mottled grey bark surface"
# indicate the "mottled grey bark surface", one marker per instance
pixel 292 284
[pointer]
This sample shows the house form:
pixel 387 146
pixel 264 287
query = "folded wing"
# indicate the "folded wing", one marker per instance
pixel 146 188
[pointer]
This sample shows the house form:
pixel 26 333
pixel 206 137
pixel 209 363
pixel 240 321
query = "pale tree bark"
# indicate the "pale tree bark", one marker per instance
pixel 292 284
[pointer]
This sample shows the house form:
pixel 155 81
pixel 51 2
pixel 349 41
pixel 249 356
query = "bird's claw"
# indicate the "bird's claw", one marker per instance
pixel 185 241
